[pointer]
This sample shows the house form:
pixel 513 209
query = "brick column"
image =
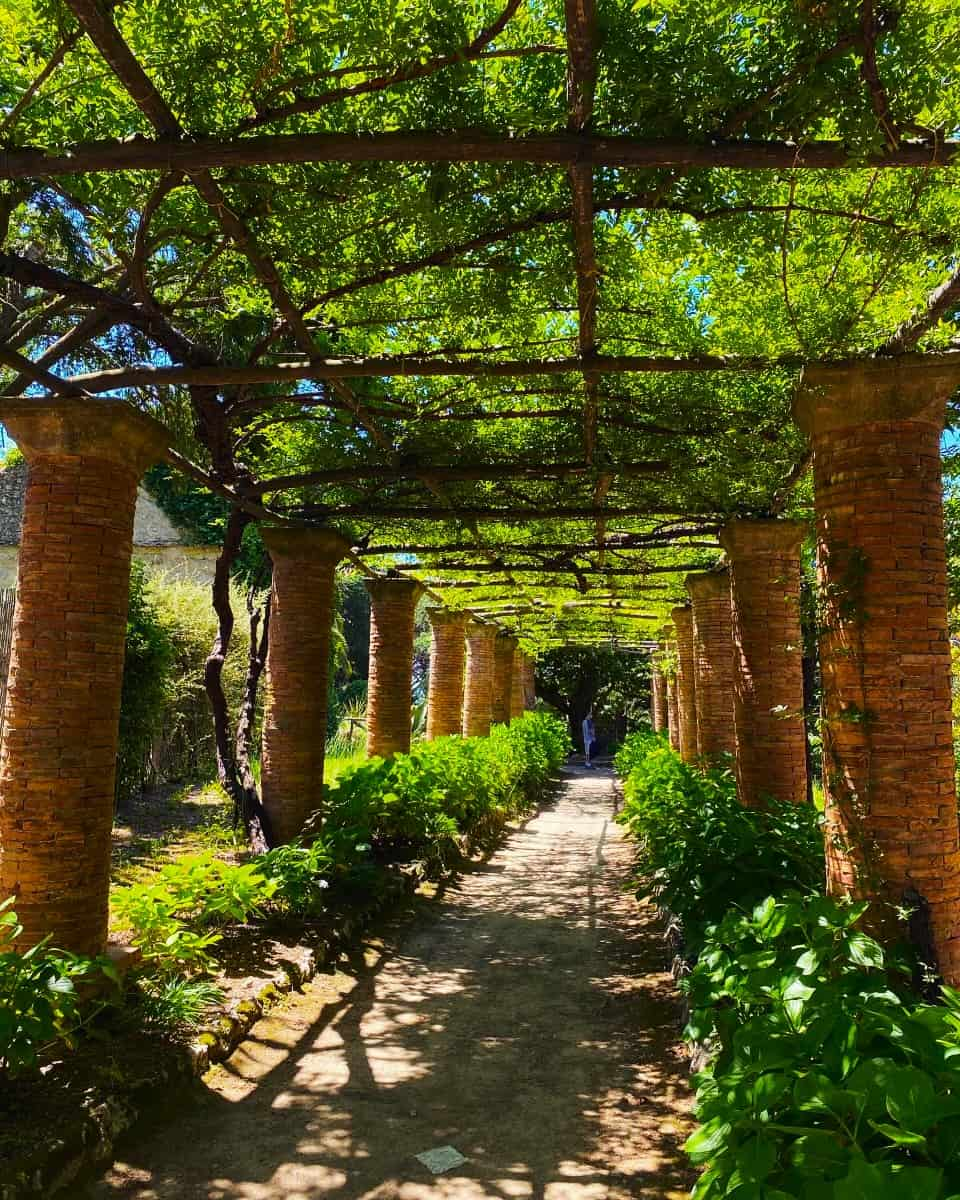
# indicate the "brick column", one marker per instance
pixel 516 685
pixel 686 685
pixel 448 650
pixel 891 809
pixel 298 655
pixel 504 647
pixel 478 688
pixel 713 663
pixel 528 673
pixel 673 713
pixel 767 658
pixel 393 603
pixel 62 711
pixel 658 693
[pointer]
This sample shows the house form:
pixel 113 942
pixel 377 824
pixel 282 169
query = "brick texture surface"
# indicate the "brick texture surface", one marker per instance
pixel 392 606
pixel 504 648
pixel 658 693
pixel 713 664
pixel 529 682
pixel 295 711
pixel 888 751
pixel 686 686
pixel 767 659
pixel 517 705
pixel 448 651
pixel 61 716
pixel 478 685
pixel 673 713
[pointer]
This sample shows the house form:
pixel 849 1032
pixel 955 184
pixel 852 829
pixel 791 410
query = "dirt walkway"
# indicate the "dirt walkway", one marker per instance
pixel 525 1020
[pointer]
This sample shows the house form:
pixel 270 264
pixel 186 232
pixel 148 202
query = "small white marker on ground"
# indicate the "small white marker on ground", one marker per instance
pixel 441 1159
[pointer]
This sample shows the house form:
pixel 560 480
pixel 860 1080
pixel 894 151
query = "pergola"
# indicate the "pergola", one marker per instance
pixel 513 304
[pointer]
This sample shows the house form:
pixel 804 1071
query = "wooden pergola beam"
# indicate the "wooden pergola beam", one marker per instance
pixel 550 149
pixel 116 379
pixel 474 513
pixel 490 471
pixel 638 572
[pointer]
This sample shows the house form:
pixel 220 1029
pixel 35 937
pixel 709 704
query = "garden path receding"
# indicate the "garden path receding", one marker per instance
pixel 526 1020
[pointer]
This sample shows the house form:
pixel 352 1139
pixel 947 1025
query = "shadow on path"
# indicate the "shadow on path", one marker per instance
pixel 525 1019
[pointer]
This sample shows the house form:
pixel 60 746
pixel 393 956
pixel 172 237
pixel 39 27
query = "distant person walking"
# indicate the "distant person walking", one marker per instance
pixel 589 737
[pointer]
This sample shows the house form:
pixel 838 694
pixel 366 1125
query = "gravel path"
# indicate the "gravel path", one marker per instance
pixel 524 1019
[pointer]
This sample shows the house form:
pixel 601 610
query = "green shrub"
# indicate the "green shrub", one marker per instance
pixel 828 1082
pixel 418 805
pixel 172 915
pixel 183 746
pixel 300 874
pixel 148 657
pixel 39 1005
pixel 699 851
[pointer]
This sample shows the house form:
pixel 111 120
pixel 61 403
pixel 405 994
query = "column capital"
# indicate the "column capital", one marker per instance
pixel 439 615
pixel 682 617
pixel 290 541
pixel 480 631
pixel 104 429
pixel 762 537
pixel 706 584
pixel 387 587
pixel 845 394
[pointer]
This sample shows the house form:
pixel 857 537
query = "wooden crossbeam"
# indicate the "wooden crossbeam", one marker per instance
pixel 556 149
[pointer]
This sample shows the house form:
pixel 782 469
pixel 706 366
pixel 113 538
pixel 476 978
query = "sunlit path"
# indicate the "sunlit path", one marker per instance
pixel 526 1021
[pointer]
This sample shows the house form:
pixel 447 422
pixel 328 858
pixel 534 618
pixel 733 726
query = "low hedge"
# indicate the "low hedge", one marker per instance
pixel 699 851
pixel 828 1078
pixel 422 804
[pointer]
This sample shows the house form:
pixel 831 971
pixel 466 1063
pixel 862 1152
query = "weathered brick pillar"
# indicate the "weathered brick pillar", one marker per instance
pixel 891 810
pixel 686 685
pixel 516 685
pixel 529 682
pixel 62 711
pixel 392 606
pixel 658 693
pixel 767 658
pixel 478 688
pixel 713 663
pixel 503 650
pixel 673 712
pixel 448 650
pixel 295 710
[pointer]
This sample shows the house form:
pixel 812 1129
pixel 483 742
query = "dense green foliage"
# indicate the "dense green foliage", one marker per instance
pixel 165 727
pixel 39 1005
pixel 699 850
pixel 828 1081
pixel 147 689
pixel 418 805
pixel 613 683
pixel 476 259
pixel 827 1078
